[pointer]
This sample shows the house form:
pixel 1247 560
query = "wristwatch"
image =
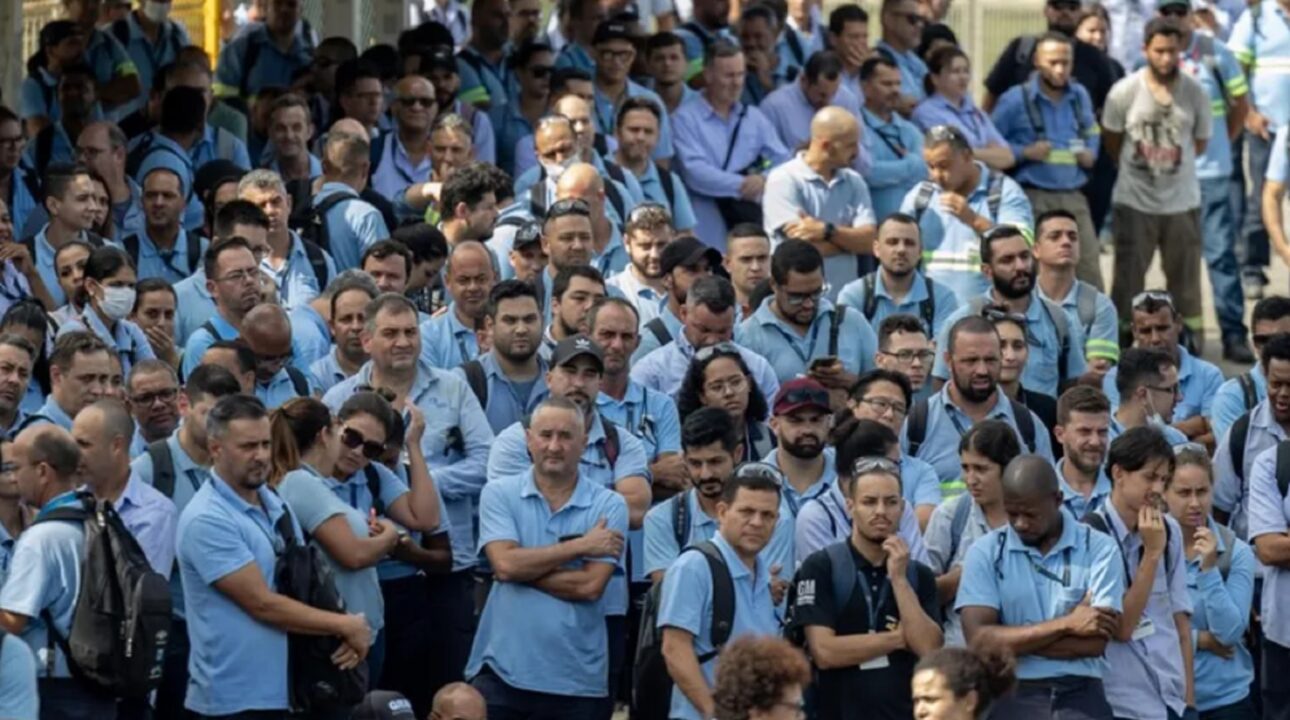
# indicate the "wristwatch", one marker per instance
pixel 829 229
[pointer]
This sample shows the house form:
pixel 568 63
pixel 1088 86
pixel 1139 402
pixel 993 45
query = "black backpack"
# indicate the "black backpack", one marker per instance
pixel 994 196
pixel 916 425
pixel 163 468
pixel 1061 327
pixel 659 330
pixel 299 383
pixel 926 308
pixel 843 571
pixel 193 250
pixel 311 221
pixel 121 621
pixel 651 682
pixel 315 683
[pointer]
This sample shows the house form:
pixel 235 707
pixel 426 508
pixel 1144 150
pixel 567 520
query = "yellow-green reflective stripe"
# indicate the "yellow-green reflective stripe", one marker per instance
pixel 127 68
pixel 693 68
pixel 952 488
pixel 475 96
pixel 1108 349
pixel 1195 323
pixel 222 91
pixel 1060 157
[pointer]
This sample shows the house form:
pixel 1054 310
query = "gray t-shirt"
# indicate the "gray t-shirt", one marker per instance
pixel 939 539
pixel 1158 154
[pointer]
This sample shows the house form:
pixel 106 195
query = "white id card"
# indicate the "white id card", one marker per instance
pixel 878 663
pixel 1145 629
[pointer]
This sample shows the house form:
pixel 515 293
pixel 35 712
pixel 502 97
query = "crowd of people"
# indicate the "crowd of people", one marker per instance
pixel 701 361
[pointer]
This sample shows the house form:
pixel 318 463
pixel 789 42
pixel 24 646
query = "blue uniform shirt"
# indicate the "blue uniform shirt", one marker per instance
pixel 189 477
pixel 791 354
pixel 220 144
pixel 1102 336
pixel 943 300
pixel 394 172
pixel 976 126
pixel 1265 53
pixel 1269 511
pixel 296 281
pixel 150 58
pixel 895 149
pixel 687 605
pixel 169 265
pixel 163 153
pixel 1042 373
pixel 353 226
pixel 327 372
pixel 506 405
pixel 951 249
pixel 791 114
pixel 61 150
pixel 280 388
pixel 151 518
pixel 679 204
pixel 562 648
pixel 1075 500
pixel 1216 161
pixel 1004 574
pixel 193 306
pixel 1068 124
pixel 128 341
pixel 18 674
pixel 664 369
pixel 446 342
pixel 1278 161
pixel 607 114
pixel 661 548
pixel 825 520
pixel 1221 606
pixel 649 342
pixel 1199 380
pixel 237 662
pixel 483 82
pixel 1229 402
pixel 912 68
pixel 272 66
pixel 1232 484
pixel 310 336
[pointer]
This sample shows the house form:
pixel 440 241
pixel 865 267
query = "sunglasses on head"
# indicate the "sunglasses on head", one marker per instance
pixel 354 439
pixel 760 470
pixel 1152 296
pixel 721 348
pixel 873 463
pixel 996 314
pixel 805 396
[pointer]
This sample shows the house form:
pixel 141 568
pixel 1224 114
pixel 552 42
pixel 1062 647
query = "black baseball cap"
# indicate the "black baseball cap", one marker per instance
pixel 575 346
pixel 441 58
pixel 687 251
pixel 383 705
pixel 614 29
pixel 528 233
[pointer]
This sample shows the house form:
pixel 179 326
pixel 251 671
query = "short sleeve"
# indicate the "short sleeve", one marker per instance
pixel 813 597
pixel 667 425
pixel 310 502
pixel 1179 595
pixel 1116 108
pixel 687 592
pixel 1106 573
pixel 497 522
pixel 632 461
pixel 613 508
pixel 864 204
pixel 779 201
pixel 214 548
pixel 1204 111
pixel 979 586
pixel 1240 40
pixel 1279 159
pixel 660 537
pixel 32 99
pixel 939 537
pixel 26 591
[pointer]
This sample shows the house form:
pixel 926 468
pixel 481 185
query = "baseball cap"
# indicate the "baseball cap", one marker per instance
pixel 801 393
pixel 614 29
pixel 528 233
pixel 383 705
pixel 576 346
pixel 1162 4
pixel 213 174
pixel 441 58
pixel 687 251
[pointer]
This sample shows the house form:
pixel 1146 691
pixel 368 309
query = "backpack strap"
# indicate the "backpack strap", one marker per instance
pixel 870 285
pixel 1086 306
pixel 299 383
pixel 45 145
pixel 254 44
pixel 537 195
pixel 916 426
pixel 958 523
pixel 131 244
pixel 1283 467
pixel 668 181
pixel 659 330
pixel 209 327
pixel 477 379
pixel 615 198
pixel 1229 549
pixel 928 307
pixel 1248 390
pixel 373 477
pixel 723 598
pixel 376 152
pixel 795 46
pixel 317 262
pixel 1205 48
pixel 994 195
pixel 1236 440
pixel 318 218
pixel 194 250
pixel 613 444
pixel 163 468
pixel 121 31
pixel 681 518
pixel 835 328
pixel 843 571
pixel 1025 424
pixel 924 198
pixel 1025 52
pixel 1032 111
pixel 1061 325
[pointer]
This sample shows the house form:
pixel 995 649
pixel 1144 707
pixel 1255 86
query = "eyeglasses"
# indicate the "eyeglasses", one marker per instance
pixel 354 439
pixel 1261 339
pixel 540 72
pixel 882 406
pixel 239 277
pixel 167 395
pixel 616 55
pixel 906 357
pixel 1179 449
pixel 425 102
pixel 271 359
pixel 871 463
pixel 799 299
pixel 804 396
pixel 572 206
pixel 1152 296
pixel 1174 389
pixel 733 386
pixel 721 348
pixel 12 141
pixel 996 314
pixel 912 18
pixel 759 471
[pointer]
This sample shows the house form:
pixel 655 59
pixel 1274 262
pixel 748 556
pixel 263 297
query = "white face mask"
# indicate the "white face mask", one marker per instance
pixel 555 170
pixel 156 11
pixel 117 302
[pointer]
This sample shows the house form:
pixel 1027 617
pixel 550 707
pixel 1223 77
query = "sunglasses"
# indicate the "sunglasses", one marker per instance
pixel 1176 11
pixel 721 348
pixel 997 314
pixel 761 471
pixel 1154 296
pixel 804 396
pixel 562 208
pixel 353 440
pixel 414 101
pixel 873 463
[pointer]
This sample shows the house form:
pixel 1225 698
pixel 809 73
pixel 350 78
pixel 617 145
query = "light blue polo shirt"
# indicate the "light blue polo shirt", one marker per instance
pixel 327 372
pixel 165 154
pixel 912 68
pixel 660 548
pixel 150 58
pixel 951 249
pixel 306 492
pixel 976 126
pixel 169 265
pixel 44 259
pixel 1222 607
pixel 1069 124
pixel 129 341
pixel 794 188
pixel 484 83
pixel 272 68
pixel 1199 380
pixel 61 150
pixel 1267 55
pixel 296 281
pixel 201 340
pixel 1229 401
pixel 189 477
pixel 509 457
pixel 458 468
pixel 1173 435
pixel 794 498
pixel 393 173
pixel 54 413
pixel 1278 162
pixel 561 648
pixel 1232 493
pixel 279 389
pixel 269 161
pixel 687 605
pixel 825 520
pixel 390 487
pixel 1269 511
pixel 208 148
pixel 1003 573
pixel 1043 370
pixel 648 342
pixel 664 369
pixel 446 342
pixel 310 335
pixel 1075 501
pixel 606 109
pixel 1216 161
pixel 35 88
pixel 193 306
pixel 679 204
pixel 353 226
pixel 18 695
pixel 895 148
pixel 44 576
pixel 1102 336
pixel 790 354
pixel 1146 675
pixel 944 301
pixel 647 414
pixel 237 663
pixel 947 424
pixel 507 404
pixel 791 114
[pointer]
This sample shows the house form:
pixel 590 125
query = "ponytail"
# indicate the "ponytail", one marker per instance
pixel 294 430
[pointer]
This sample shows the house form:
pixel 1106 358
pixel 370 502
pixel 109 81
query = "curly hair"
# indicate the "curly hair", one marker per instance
pixel 689 397
pixel 990 672
pixel 753 673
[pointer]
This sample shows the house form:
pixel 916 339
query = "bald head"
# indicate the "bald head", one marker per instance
pixel 580 182
pixel 414 85
pixel 351 126
pixel 347 156
pixel 458 701
pixel 833 123
pixel 469 252
pixel 266 331
pixel 1029 476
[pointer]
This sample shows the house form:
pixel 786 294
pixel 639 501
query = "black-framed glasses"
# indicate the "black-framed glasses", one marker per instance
pixel 1154 296
pixel 1175 389
pixel 761 471
pixel 912 18
pixel 241 276
pixel 721 348
pixel 883 405
pixel 353 439
pixel 906 357
pixel 166 395
pixel 874 463
pixel 540 72
pixel 615 55
pixel 799 299
pixel 571 206
pixel 271 359
pixel 1175 11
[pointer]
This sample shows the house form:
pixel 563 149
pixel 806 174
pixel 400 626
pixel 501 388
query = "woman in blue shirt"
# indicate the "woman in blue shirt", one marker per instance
pixel 1220 579
pixel 718 377
pixel 27 319
pixel 949 103
pixel 61 44
pixel 108 297
pixel 306 445
pixel 69 264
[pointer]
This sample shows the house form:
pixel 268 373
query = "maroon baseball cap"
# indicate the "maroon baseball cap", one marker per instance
pixel 801 393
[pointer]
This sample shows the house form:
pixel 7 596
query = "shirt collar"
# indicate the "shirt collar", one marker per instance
pixel 1000 409
pixel 1070 528
pixel 737 567
pixel 132 495
pixel 581 497
pixel 1101 487
pixel 182 461
pixel 270 504
pixel 917 287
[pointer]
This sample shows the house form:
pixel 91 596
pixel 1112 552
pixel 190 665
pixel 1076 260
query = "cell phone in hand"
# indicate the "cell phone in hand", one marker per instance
pixel 824 361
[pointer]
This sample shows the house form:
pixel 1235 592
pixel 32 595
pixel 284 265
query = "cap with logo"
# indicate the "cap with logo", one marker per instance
pixel 609 30
pixel 528 233
pixel 576 346
pixel 800 393
pixel 441 58
pixel 383 705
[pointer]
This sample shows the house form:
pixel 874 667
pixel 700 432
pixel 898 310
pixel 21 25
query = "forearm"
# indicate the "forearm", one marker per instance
pixel 922 634
pixel 119 90
pixel 1071 648
pixel 1273 549
pixel 1272 216
pixel 683 666
pixel 433 558
pixel 668 476
pixel 1193 427
pixel 998 157
pixel 1183 622
pixel 1227 621
pixel 839 651
pixel 581 585
pixel 857 240
pixel 1236 118
pixel 1021 639
pixel 947 585
pixel 293 616
pixel 635 490
pixel 423 500
pixel 522 565
pixel 1111 144
pixel 1135 600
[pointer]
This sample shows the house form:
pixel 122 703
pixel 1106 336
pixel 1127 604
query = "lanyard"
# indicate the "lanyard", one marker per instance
pixel 64 500
pixel 873 600
pixel 891 141
pixel 1064 578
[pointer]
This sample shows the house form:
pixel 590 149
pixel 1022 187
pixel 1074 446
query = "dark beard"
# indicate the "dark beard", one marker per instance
pixel 803 451
pixel 1010 291
pixel 972 394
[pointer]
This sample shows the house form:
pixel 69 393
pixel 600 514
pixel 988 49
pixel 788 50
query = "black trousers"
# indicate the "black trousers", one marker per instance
pixel 451 610
pixel 1276 691
pixel 508 703
pixel 174 672
pixel 1068 698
